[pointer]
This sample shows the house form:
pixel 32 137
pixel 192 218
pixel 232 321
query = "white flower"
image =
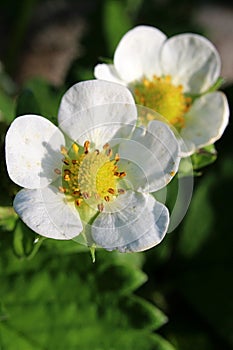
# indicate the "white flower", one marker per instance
pixel 172 76
pixel 93 175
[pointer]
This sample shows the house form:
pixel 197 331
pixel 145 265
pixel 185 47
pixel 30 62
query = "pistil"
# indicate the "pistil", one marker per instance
pixel 161 95
pixel 90 175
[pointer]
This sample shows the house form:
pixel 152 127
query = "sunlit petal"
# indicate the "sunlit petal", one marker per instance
pixel 138 223
pixel 47 212
pixel 192 61
pixel 137 54
pixel 33 151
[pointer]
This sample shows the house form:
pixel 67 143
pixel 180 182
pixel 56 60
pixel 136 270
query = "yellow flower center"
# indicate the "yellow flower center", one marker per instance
pixel 165 98
pixel 90 176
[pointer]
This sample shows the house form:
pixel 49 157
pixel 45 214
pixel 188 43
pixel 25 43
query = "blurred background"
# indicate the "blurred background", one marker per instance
pixel 178 295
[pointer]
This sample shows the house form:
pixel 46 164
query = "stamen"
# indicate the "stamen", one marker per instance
pixel 78 202
pixel 64 150
pixel 90 175
pixel 106 146
pixel 67 177
pixel 62 189
pixel 121 191
pixel 120 174
pixel 66 161
pixel 161 95
pixel 100 207
pixel 76 192
pixel 117 157
pixel 57 171
pixel 86 146
pixel 86 195
pixel 107 198
pixel 97 197
pixel 109 152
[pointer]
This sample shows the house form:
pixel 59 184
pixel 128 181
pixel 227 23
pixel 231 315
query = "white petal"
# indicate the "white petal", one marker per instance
pixel 151 157
pixel 107 72
pixel 206 120
pixel 137 53
pixel 139 223
pixel 47 212
pixel 192 61
pixel 96 110
pixel 33 151
pixel 187 147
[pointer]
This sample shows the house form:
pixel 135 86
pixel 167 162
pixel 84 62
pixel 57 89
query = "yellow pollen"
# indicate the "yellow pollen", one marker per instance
pixel 90 175
pixel 163 97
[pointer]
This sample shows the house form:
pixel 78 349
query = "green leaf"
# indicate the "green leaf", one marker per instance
pixel 205 281
pixel 8 218
pixel 25 242
pixel 120 279
pixel 27 103
pixel 203 157
pixel 148 317
pixel 55 302
pixel 198 222
pixel 7 107
pixel 113 28
pixel 41 98
pixel 65 247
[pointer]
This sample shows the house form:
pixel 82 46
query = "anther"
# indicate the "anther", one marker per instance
pixel 76 193
pixel 74 161
pixel 64 150
pixel 86 146
pixel 100 207
pixel 121 191
pixel 111 191
pixel 106 146
pixel 109 152
pixel 67 177
pixel 85 195
pixel 97 152
pixel 65 161
pixel 62 189
pixel 57 171
pixel 117 157
pixel 78 202
pixel 97 197
pixel 120 174
pixel 107 198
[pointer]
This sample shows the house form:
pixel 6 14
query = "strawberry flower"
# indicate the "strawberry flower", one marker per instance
pixel 173 77
pixel 91 177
